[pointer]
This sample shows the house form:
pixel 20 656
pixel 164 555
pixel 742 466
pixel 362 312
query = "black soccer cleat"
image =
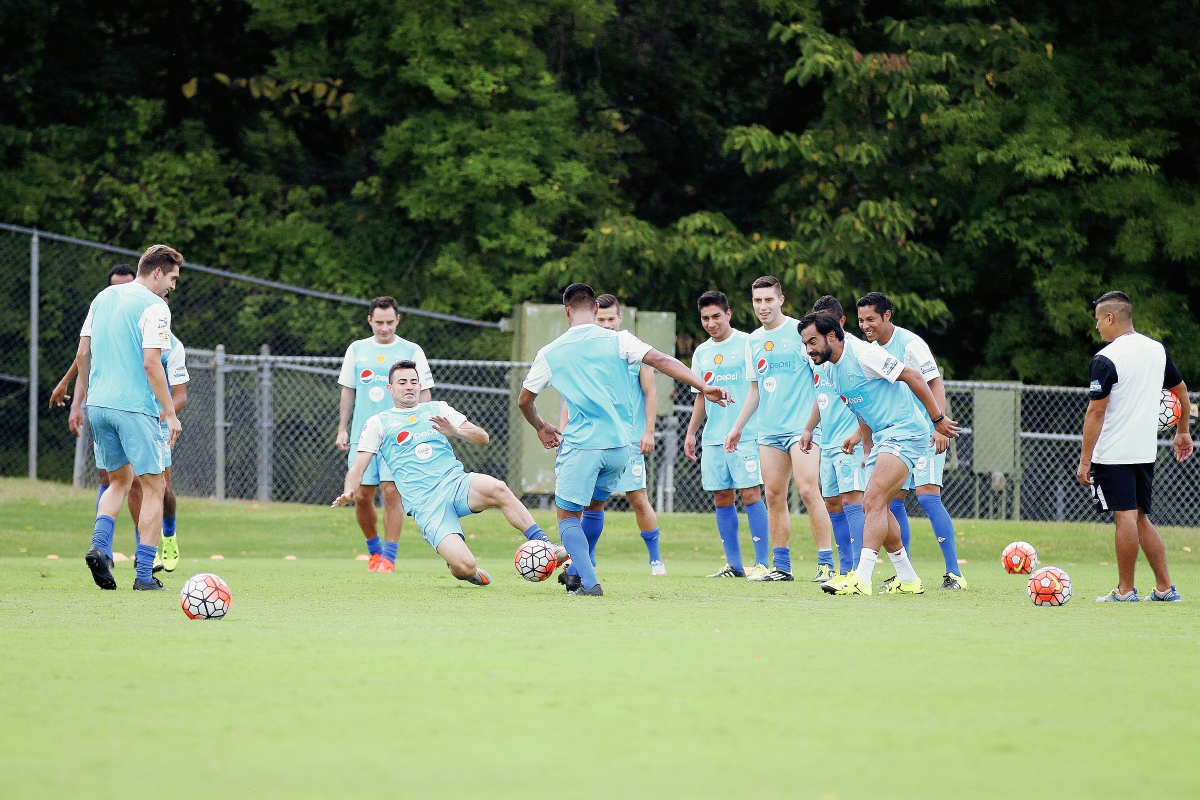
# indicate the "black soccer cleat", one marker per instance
pixel 572 582
pixel 595 591
pixel 155 585
pixel 98 563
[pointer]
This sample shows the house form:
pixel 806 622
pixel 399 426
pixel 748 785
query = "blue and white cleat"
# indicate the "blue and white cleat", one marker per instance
pixel 1116 597
pixel 1170 596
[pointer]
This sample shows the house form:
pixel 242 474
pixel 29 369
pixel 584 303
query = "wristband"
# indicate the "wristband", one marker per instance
pixel 939 419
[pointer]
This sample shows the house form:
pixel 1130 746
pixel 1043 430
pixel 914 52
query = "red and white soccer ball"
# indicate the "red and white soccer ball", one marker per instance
pixel 1169 410
pixel 205 596
pixel 535 560
pixel 1019 558
pixel 1049 586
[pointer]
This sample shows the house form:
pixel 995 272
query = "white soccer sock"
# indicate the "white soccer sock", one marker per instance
pixel 866 565
pixel 904 567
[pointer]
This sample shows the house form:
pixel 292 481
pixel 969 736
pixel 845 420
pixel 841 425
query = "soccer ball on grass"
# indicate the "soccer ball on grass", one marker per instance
pixel 535 560
pixel 1049 586
pixel 1019 558
pixel 204 596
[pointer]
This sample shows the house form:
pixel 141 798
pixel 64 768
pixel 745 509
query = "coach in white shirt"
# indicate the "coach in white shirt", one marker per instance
pixel 1120 439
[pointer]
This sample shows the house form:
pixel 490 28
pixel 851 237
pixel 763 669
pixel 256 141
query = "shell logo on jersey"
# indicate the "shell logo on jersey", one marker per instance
pixel 769 346
pixel 404 437
pixel 708 377
pixel 379 358
pixel 718 358
pixel 424 451
pixel 762 366
pixel 411 418
pixel 366 376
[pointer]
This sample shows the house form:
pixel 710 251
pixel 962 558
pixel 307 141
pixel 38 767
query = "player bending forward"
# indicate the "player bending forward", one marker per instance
pixel 411 441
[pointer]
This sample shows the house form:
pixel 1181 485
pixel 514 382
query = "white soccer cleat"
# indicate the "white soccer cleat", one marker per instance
pixel 658 568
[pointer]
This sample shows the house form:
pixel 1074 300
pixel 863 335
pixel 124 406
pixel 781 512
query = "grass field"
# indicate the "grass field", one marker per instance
pixel 325 680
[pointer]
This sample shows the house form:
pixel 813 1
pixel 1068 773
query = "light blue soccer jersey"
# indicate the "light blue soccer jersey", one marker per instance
pixel 122 322
pixel 838 423
pixel 365 370
pixel 419 457
pixel 590 367
pixel 913 352
pixel 724 364
pixel 785 378
pixel 865 378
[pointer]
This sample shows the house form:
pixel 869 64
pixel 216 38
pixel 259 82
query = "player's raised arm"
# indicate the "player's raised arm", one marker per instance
pixel 749 406
pixel 451 423
pixel 674 368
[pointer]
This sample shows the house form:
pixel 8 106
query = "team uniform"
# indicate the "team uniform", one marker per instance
pixel 365 370
pixel 174 363
pixel 840 472
pixel 913 352
pixel 724 364
pixel 786 385
pixel 634 477
pixel 423 465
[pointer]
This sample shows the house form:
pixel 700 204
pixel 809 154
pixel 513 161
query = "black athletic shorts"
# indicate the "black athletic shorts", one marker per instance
pixel 1122 487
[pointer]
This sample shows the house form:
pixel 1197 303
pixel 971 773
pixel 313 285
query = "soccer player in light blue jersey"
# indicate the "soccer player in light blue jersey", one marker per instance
pixel 782 391
pixel 875 319
pixel 893 424
pixel 364 394
pixel 412 439
pixel 843 479
pixel 721 361
pixel 589 366
pixel 121 373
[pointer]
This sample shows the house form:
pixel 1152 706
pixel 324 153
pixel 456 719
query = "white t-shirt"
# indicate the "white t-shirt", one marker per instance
pixel 1131 372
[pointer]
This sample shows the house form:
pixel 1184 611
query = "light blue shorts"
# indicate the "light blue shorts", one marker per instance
pixel 581 476
pixel 439 515
pixel 634 476
pixel 928 469
pixel 841 473
pixel 738 470
pixel 376 470
pixel 127 437
pixel 907 450
pixel 785 441
pixel 166 437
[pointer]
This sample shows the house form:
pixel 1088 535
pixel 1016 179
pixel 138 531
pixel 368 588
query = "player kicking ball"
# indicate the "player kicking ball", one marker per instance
pixel 412 440
pixel 872 383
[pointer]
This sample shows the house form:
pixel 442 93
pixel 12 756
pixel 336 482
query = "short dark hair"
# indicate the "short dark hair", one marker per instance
pixel 878 301
pixel 1120 304
pixel 578 295
pixel 159 256
pixel 830 305
pixel 383 302
pixel 120 269
pixel 712 299
pixel 825 323
pixel 403 363
pixel 608 301
pixel 767 282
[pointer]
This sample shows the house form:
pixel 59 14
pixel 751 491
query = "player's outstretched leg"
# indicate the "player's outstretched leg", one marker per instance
pixel 488 492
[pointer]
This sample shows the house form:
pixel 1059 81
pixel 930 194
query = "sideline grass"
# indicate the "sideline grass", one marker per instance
pixel 325 680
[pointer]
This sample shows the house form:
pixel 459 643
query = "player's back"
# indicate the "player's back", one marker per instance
pixel 590 368
pixel 724 364
pixel 122 321
pixel 418 456
pixel 838 422
pixel 865 377
pixel 785 378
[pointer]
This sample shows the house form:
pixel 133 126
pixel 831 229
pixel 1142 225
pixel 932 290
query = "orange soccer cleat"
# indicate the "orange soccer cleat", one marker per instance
pixel 386 565
pixel 373 564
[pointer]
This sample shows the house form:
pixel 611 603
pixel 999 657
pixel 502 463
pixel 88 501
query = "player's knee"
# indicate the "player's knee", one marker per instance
pixel 364 494
pixel 833 505
pixel 749 496
pixel 462 565
pixel 725 498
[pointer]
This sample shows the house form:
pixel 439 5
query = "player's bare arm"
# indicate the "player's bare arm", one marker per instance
pixel 814 419
pixel 699 414
pixel 867 439
pixel 646 378
pixel 674 368
pixel 152 364
pixel 941 423
pixel 83 358
pixel 467 431
pixel 179 397
pixel 345 409
pixel 852 442
pixel 940 442
pixel 551 436
pixel 1183 436
pixel 1093 421
pixel 59 396
pixel 353 479
pixel 748 409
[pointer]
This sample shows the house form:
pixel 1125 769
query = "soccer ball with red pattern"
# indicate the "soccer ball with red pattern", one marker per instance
pixel 535 560
pixel 1019 558
pixel 204 596
pixel 1049 586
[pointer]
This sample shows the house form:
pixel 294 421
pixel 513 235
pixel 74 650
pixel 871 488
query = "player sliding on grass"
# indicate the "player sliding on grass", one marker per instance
pixel 872 382
pixel 721 361
pixel 589 366
pixel 411 442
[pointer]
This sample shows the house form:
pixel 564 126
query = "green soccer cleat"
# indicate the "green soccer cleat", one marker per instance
pixel 825 573
pixel 845 584
pixel 952 581
pixel 757 573
pixel 168 554
pixel 893 585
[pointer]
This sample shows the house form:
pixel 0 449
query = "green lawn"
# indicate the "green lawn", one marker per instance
pixel 328 681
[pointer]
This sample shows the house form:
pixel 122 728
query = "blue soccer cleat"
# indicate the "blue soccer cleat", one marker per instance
pixel 1169 596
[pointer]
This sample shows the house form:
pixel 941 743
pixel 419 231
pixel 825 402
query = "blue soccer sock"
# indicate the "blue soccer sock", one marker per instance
pixel 168 526
pixel 390 549
pixel 825 557
pixel 782 559
pixel 535 532
pixel 575 540
pixel 760 531
pixel 99 494
pixel 727 526
pixel 145 562
pixel 374 547
pixel 593 525
pixel 943 529
pixel 841 536
pixel 102 533
pixel 855 520
pixel 651 540
pixel 901 516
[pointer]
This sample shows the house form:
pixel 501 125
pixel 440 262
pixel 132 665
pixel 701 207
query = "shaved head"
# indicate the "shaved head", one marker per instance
pixel 1118 304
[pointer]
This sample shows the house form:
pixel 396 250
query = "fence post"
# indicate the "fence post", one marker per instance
pixel 670 451
pixel 219 427
pixel 264 426
pixel 34 332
